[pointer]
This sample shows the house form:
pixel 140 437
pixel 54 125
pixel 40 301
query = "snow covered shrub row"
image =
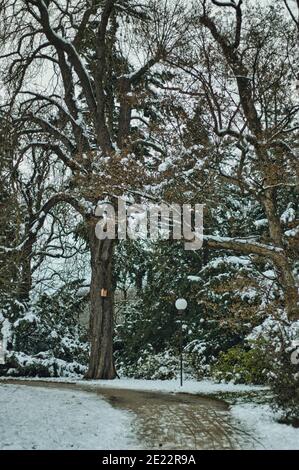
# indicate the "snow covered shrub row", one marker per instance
pixel 44 337
pixel 43 364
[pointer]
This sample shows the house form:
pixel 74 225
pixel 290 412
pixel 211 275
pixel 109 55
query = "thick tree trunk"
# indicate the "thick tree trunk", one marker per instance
pixel 289 287
pixel 101 363
pixel 283 263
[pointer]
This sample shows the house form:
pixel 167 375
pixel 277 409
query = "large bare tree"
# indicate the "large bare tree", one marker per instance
pixel 75 72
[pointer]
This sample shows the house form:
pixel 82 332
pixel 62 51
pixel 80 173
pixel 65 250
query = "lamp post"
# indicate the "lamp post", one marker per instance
pixel 181 305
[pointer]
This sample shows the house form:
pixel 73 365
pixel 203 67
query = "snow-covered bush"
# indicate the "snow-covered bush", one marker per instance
pixel 280 344
pixel 163 366
pixel 242 366
pixel 198 361
pixel 207 339
pixel 43 364
pixel 46 338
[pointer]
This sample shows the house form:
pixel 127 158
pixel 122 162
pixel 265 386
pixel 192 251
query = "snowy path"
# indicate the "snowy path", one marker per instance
pixel 45 418
pixel 178 421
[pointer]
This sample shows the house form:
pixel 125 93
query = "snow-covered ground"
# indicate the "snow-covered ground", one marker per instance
pixel 64 419
pixel 204 387
pixel 269 434
pixel 47 418
pixel 172 386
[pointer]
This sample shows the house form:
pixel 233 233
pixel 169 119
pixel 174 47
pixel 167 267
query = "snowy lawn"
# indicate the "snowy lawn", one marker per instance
pixel 269 433
pixel 172 386
pixel 36 418
pixel 204 387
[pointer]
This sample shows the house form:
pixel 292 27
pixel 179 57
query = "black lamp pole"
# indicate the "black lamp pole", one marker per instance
pixel 181 305
pixel 181 346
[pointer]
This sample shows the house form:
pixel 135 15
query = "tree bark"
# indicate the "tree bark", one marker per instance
pixel 289 287
pixel 101 362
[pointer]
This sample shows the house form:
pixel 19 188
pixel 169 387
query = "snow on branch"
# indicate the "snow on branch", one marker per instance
pixel 41 216
pixel 62 44
pixel 242 245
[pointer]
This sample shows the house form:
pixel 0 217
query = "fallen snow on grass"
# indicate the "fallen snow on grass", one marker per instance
pixel 261 422
pixel 45 418
pixel 204 387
